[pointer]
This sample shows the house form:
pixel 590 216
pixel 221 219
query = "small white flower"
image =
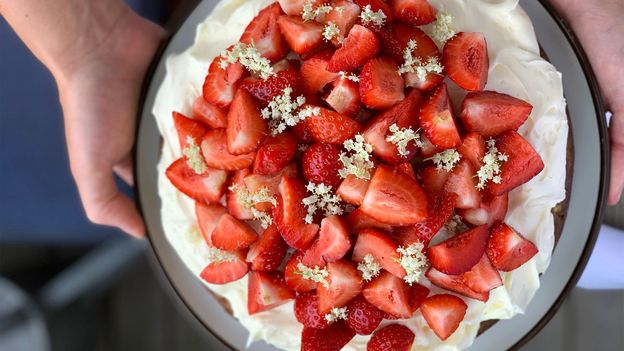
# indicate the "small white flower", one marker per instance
pixel 369 268
pixel 250 58
pixel 442 28
pixel 336 314
pixel 331 31
pixel 309 13
pixel 283 111
pixel 323 199
pixel 315 274
pixel 418 65
pixel 446 159
pixel 359 161
pixel 250 200
pixel 402 137
pixel 413 261
pixel 350 76
pixel 491 165
pixel 217 256
pixel 194 157
pixel 369 16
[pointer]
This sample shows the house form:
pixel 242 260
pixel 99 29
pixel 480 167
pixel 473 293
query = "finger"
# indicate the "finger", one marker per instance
pixel 124 170
pixel 616 133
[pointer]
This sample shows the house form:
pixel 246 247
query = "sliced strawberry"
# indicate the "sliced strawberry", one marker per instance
pixel 290 212
pixel 381 247
pixel 407 169
pixel 295 7
pixel 226 271
pixel 414 12
pixel 490 113
pixel 302 37
pixel 331 127
pixel 483 277
pixel 343 15
pixel 188 128
pixel 220 84
pixel 456 284
pixel 426 49
pixel 266 90
pixel 265 35
pixel 293 276
pixel 352 190
pixel 418 294
pixel 462 181
pixel 405 236
pixel 207 218
pixel 292 192
pixel 209 114
pixel 332 244
pixel 473 150
pixel 437 120
pixel 393 337
pixel 359 46
pixel 333 338
pixel 343 284
pixel 235 208
pixel 440 211
pixel 320 164
pixel 404 115
pixel 268 252
pixel 428 149
pixel 307 311
pixel 460 253
pixel 390 294
pixel 207 187
pixel 389 43
pixel 359 220
pixel 215 151
pixel 316 75
pixel 231 234
pixel 522 165
pixel 246 128
pixel 508 249
pixel 344 97
pixel 266 290
pixel 362 317
pixel 465 59
pixel 256 182
pixel 433 179
pixel 443 313
pixel 275 153
pixel 301 131
pixel 377 5
pixel 492 209
pixel 381 86
pixel 394 198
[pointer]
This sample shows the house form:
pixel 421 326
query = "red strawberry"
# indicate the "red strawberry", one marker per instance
pixel 266 290
pixel 307 311
pixel 293 277
pixel 290 212
pixel 226 271
pixel 206 187
pixel 343 284
pixel 394 198
pixel 359 220
pixel 302 133
pixel 443 313
pixel 215 151
pixel 428 149
pixel 275 153
pixel 302 37
pixel 268 252
pixel 352 190
pixel 331 127
pixel 456 284
pixel 433 179
pixel 394 337
pixel 265 35
pixel 381 86
pixel 437 120
pixel 344 19
pixel 295 7
pixel 381 247
pixel 266 90
pixel 390 294
pixel 462 181
pixel 235 208
pixel 404 115
pixel 359 46
pixel 344 97
pixel 333 338
pixel 209 114
pixel 389 43
pixel 465 60
pixel 440 211
pixel 490 113
pixel 377 5
pixel 418 294
pixel 362 317
pixel 523 164
pixel 315 74
pixel 231 234
pixel 483 277
pixel 207 218
pixel 246 128
pixel 491 210
pixel 332 244
pixel 186 128
pixel 459 253
pixel 414 12
pixel 220 84
pixel 473 150
pixel 320 164
pixel 407 169
pixel 507 249
pixel 425 49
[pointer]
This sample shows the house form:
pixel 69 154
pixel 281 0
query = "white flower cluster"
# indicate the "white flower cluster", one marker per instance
pixel 359 163
pixel 413 64
pixel 336 314
pixel 217 256
pixel 331 31
pixel 321 198
pixel 491 165
pixel 350 76
pixel 369 16
pixel 446 159
pixel 413 261
pixel 369 268
pixel 194 157
pixel 249 200
pixel 250 58
pixel 284 112
pixel 309 13
pixel 443 28
pixel 316 274
pixel 402 137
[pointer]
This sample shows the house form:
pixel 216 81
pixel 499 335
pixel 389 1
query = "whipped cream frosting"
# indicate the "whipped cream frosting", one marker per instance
pixel 516 68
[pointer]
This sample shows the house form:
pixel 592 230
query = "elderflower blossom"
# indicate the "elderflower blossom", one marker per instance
pixel 413 261
pixel 402 137
pixel 250 58
pixel 284 112
pixel 443 28
pixel 368 15
pixel 446 159
pixel 359 163
pixel 455 225
pixel 321 198
pixel 216 256
pixel 315 274
pixel 350 76
pixel 250 200
pixel 194 158
pixel 336 314
pixel 309 13
pixel 491 165
pixel 331 31
pixel 416 65
pixel 369 268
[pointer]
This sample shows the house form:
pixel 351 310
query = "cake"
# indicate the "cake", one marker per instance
pixel 207 204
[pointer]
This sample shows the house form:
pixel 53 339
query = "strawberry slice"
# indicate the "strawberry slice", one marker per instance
pixel 381 86
pixel 465 60
pixel 428 149
pixel 359 220
pixel 362 317
pixel 235 208
pixel 393 337
pixel 414 12
pixel 246 128
pixel 388 42
pixel 268 252
pixel 344 97
pixel 381 247
pixel 315 73
pixel 266 290
pixel 220 84
pixel 307 311
pixel 215 151
pixel 456 284
pixel 490 113
pixel 443 313
pixel 418 294
pixel 359 46
pixel 433 179
pixel 407 169
pixel 390 294
pixel 266 90
pixel 332 244
pixel 231 234
pixel 483 277
pixel 343 284
pixel 186 128
pixel 294 279
pixel 462 182
pixel 302 37
pixel 523 164
pixel 508 249
pixel 320 164
pixel 492 209
pixel 394 198
pixel 352 190
pixel 344 16
pixel 404 115
pixel 440 211
pixel 290 212
pixel 332 338
pixel 207 187
pixel 438 121
pixel 472 149
pixel 256 182
pixel 331 127
pixel 425 50
pixel 209 114
pixel 207 218
pixel 226 271
pixel 275 153
pixel 460 253
pixel 295 7
pixel 377 5
pixel 265 35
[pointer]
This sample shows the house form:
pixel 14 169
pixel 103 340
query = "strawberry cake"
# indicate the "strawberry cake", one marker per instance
pixel 366 174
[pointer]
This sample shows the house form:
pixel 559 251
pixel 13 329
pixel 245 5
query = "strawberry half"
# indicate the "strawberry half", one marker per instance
pixel 462 182
pixel 265 35
pixel 332 338
pixel 302 37
pixel 268 252
pixel 290 212
pixel 443 313
pixel 414 12
pixel 460 253
pixel 418 294
pixel 390 294
pixel 359 46
pixel 294 279
pixel 440 211
pixel 362 317
pixel 483 277
pixel 507 249
pixel 331 127
pixel 231 234
pixel 438 121
pixel 381 86
pixel 266 290
pixel 492 209
pixel 320 164
pixel 344 18
pixel 246 128
pixel 465 60
pixel 315 73
pixel 490 113
pixel 235 208
pixel 255 182
pixel 226 271
pixel 344 97
pixel 456 284
pixel 266 90
pixel 359 220
pixel 209 114
pixel 433 179
pixel 215 151
pixel 307 311
pixel 207 218
pixel 186 128
pixel 332 244
pixel 472 149
pixel 393 337
pixel 275 153
pixel 352 190
pixel 394 198
pixel 381 247
pixel 220 84
pixel 207 187
pixel 343 284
